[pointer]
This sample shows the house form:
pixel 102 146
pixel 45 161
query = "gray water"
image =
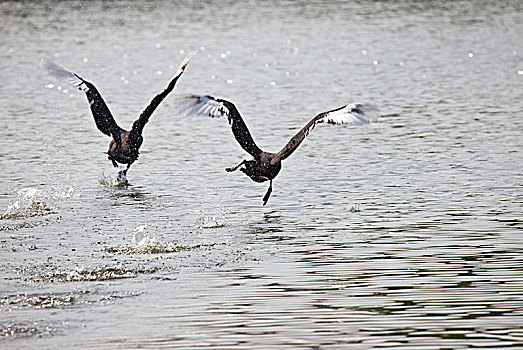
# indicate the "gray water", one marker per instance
pixel 406 233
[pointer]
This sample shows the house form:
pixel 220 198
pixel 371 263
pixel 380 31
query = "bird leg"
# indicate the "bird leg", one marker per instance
pixel 123 173
pixel 236 167
pixel 268 194
pixel 114 163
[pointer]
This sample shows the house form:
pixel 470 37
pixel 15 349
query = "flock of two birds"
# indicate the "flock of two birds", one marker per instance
pixel 125 145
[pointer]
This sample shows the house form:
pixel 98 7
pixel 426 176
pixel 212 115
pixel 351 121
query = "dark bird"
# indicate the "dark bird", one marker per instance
pixel 125 146
pixel 265 165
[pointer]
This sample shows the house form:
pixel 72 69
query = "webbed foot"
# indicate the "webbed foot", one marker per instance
pixel 234 168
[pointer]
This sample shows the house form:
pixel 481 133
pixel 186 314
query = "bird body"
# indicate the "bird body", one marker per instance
pixel 263 168
pixel 128 151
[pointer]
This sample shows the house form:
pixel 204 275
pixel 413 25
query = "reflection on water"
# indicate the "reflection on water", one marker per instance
pixel 401 234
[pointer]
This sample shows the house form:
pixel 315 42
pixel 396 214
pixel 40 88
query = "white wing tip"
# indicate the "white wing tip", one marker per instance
pixel 185 62
pixel 63 73
pixel 204 105
pixel 50 65
pixel 353 114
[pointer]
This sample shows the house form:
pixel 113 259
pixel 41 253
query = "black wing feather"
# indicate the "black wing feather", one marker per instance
pixel 139 124
pixel 240 130
pixel 212 107
pixel 102 115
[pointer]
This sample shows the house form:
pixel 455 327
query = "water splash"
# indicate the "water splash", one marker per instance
pixel 60 300
pixel 101 273
pixel 117 181
pixel 26 329
pixel 140 236
pixel 145 244
pixel 209 221
pixel 22 224
pixel 37 301
pixel 30 202
pixel 70 193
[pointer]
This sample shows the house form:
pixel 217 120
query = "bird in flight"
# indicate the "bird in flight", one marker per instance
pixel 125 145
pixel 265 165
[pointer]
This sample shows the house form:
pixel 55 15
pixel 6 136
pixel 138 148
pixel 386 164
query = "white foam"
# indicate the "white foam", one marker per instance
pixel 30 202
pixel 141 238
pixel 209 221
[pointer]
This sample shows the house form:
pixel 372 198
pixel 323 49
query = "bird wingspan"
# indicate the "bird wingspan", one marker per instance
pixel 212 107
pixel 102 115
pixel 351 114
pixel 139 124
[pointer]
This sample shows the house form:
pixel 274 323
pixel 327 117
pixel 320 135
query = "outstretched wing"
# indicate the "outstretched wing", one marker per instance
pixel 214 108
pixel 352 114
pixel 139 124
pixel 102 116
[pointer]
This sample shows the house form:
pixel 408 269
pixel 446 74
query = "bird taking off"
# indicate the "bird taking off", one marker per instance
pixel 265 166
pixel 125 145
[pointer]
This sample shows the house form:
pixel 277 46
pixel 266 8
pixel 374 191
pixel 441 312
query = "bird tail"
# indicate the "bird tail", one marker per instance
pixel 64 74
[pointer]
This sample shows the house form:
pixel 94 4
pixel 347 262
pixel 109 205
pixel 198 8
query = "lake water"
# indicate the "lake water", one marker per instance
pixel 403 234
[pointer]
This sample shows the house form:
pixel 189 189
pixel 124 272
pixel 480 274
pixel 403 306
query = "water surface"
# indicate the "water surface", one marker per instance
pixel 401 234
